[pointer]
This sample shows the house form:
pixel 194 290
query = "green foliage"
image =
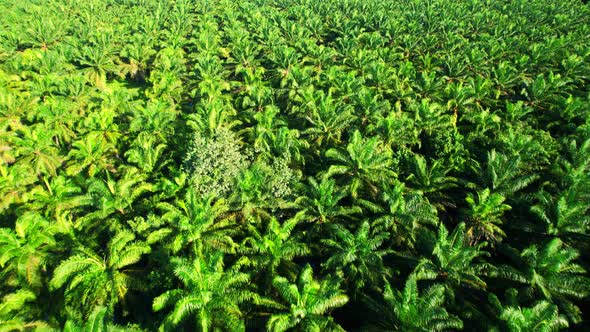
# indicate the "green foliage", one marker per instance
pixel 357 256
pixel 215 163
pixel 543 316
pixel 410 310
pixel 485 216
pixel 321 201
pixel 98 320
pixel 210 296
pixel 306 303
pixel 195 222
pixel 423 155
pixel 91 280
pixel 453 261
pixel 274 250
pixel 366 162
pixel 15 313
pixel 549 272
pixel 25 250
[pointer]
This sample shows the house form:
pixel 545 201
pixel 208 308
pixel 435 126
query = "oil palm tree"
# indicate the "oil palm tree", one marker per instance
pixel 26 250
pixel 542 316
pixel 397 128
pixel 37 148
pixel 432 181
pixel 210 296
pixel 138 55
pixel 564 215
pixel 452 261
pixel 15 184
pixel 550 272
pixel 198 223
pixel 321 202
pixel 412 310
pixel 405 214
pixel 60 118
pixel 103 123
pixel 113 198
pixel 485 216
pixel 306 303
pixel 358 256
pixel 212 115
pixel 367 163
pixel 155 118
pixel 58 195
pixel 328 119
pixel 98 61
pixel 146 153
pixel 92 153
pixel 91 278
pixel 273 251
pixel 504 175
pixel 263 134
pixel 99 320
pixel 17 312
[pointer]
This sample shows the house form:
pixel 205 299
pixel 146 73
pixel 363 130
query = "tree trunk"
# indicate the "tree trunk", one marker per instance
pixel 203 322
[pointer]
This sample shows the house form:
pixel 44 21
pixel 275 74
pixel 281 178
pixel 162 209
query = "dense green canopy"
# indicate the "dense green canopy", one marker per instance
pixel 300 165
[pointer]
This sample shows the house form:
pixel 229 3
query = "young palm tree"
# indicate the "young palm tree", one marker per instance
pixel 289 144
pixel 197 223
pixel 212 115
pixel 327 119
pixel 306 303
pixel 549 272
pixel 155 118
pixel 98 61
pixel 91 153
pixel 264 132
pixel 99 320
pixel 410 310
pixel 321 203
pixel 92 279
pixel 59 195
pixel 366 162
pixel 137 54
pixel 146 153
pixel 113 197
pixel 503 174
pixel 405 215
pixel 452 261
pixel 103 123
pixel 17 313
pixel 274 250
pixel 358 256
pixel 485 216
pixel 432 181
pixel 15 184
pixel 564 215
pixel 60 118
pixel 37 148
pixel 210 297
pixel 542 316
pixel 396 129
pixel 26 249
pixel 430 116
